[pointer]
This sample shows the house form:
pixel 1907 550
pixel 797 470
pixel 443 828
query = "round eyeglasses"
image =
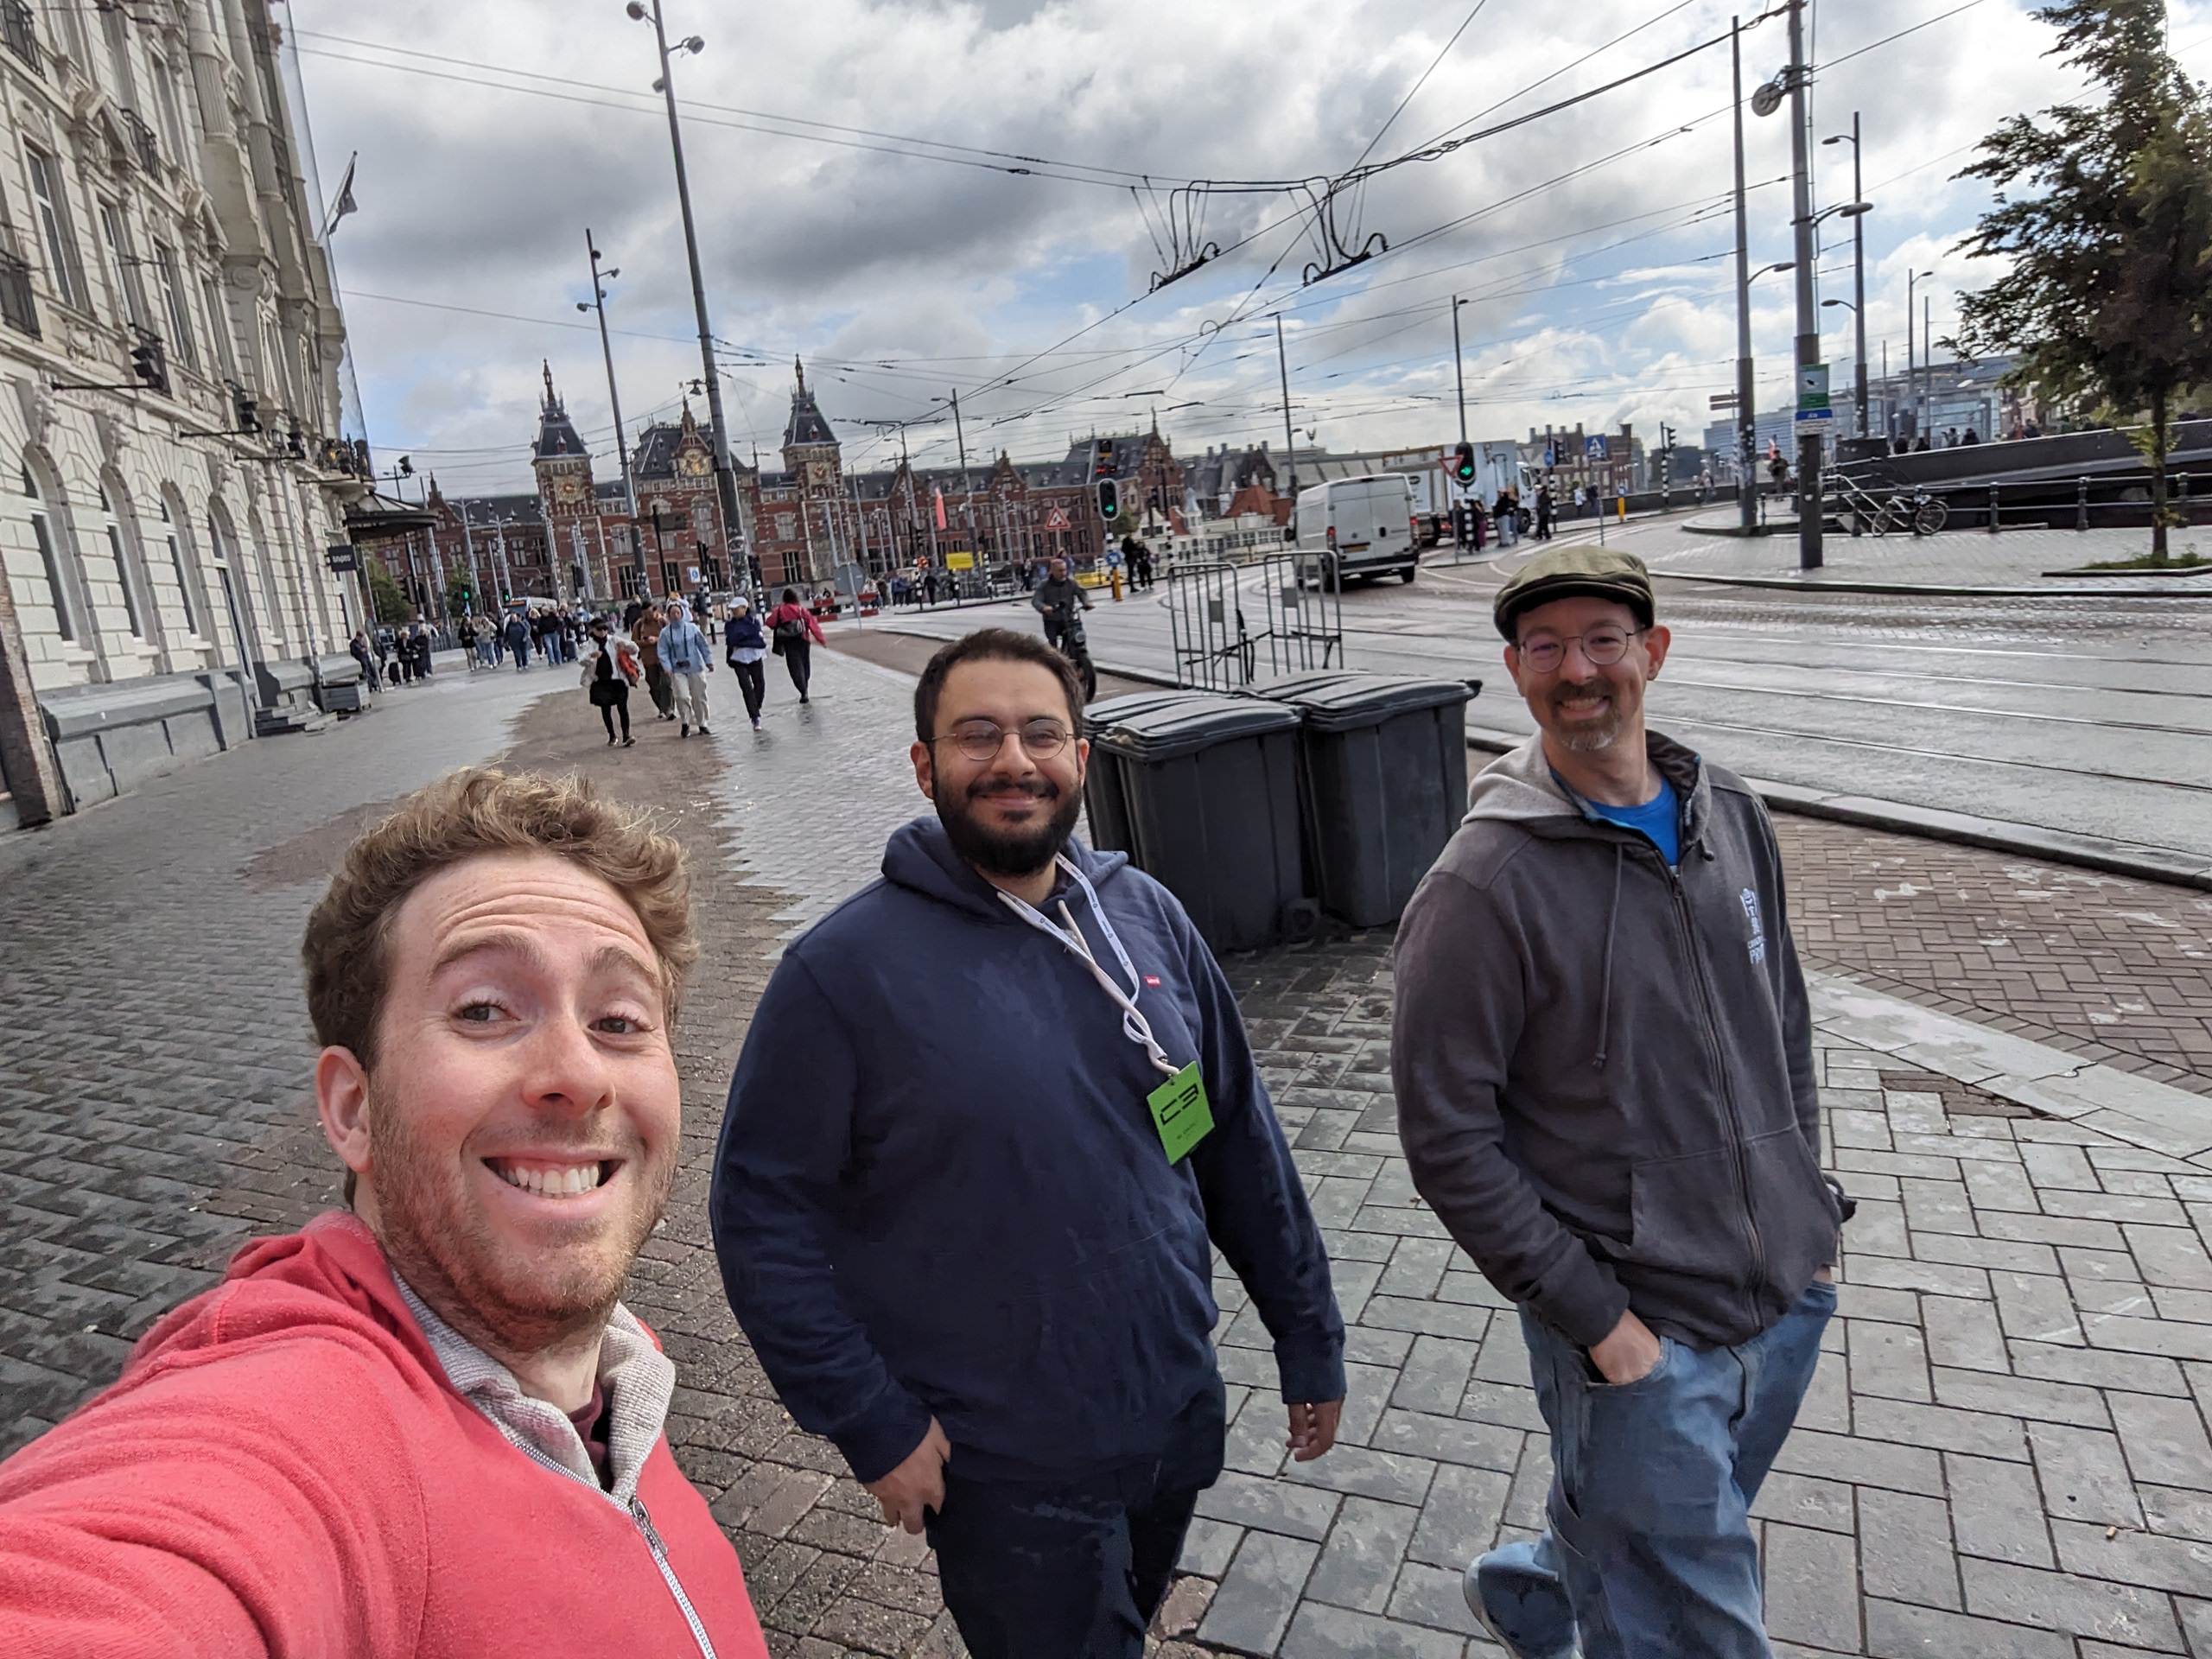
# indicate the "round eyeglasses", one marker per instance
pixel 982 739
pixel 1601 648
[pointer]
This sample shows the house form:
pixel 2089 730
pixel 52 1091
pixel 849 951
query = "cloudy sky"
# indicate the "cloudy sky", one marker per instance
pixel 921 198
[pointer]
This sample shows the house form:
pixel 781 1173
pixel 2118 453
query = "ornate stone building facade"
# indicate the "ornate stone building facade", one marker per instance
pixel 170 467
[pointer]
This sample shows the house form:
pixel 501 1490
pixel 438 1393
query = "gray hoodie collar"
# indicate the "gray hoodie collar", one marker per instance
pixel 637 1379
pixel 1521 787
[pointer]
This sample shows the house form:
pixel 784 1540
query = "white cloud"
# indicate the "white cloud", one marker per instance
pixel 474 196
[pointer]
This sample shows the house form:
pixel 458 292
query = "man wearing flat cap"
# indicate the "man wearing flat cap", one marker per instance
pixel 1603 1067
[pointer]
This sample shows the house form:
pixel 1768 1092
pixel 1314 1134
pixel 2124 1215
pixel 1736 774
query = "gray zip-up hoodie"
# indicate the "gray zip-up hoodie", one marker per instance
pixel 1603 1067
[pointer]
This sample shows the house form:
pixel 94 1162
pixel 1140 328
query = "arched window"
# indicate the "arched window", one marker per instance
pixel 176 563
pixel 42 531
pixel 114 529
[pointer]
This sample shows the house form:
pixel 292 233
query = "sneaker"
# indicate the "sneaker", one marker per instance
pixel 704 732
pixel 1520 1603
pixel 629 742
pixel 684 732
pixel 756 725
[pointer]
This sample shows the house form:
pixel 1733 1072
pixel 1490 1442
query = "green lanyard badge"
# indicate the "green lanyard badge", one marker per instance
pixel 1179 1112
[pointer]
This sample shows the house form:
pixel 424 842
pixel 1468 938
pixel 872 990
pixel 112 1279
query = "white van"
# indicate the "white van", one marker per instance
pixel 1368 523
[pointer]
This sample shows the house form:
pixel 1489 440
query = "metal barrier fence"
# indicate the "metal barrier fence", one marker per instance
pixel 1299 599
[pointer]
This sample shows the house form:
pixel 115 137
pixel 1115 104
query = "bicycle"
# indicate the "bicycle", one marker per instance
pixel 1914 510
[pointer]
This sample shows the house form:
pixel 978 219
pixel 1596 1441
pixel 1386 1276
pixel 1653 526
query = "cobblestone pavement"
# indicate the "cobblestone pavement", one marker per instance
pixel 2005 1456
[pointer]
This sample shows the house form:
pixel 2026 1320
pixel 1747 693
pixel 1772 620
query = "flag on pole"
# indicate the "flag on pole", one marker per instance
pixel 344 204
pixel 936 497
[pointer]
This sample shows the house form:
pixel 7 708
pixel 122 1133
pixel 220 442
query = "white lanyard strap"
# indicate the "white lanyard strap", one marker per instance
pixel 1134 1026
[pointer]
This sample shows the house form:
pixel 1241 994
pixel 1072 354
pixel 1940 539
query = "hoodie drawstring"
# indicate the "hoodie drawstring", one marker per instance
pixel 1613 928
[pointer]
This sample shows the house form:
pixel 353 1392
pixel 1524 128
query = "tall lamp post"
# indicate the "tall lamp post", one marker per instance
pixel 1747 437
pixel 1459 367
pixel 1856 213
pixel 725 473
pixel 1911 375
pixel 1809 326
pixel 599 280
pixel 1289 438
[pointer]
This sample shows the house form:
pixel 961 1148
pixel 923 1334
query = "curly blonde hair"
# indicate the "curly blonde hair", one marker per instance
pixel 464 815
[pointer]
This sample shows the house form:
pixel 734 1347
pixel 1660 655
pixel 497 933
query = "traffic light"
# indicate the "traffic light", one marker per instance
pixel 1463 464
pixel 1463 523
pixel 1102 461
pixel 246 411
pixel 149 364
pixel 1109 499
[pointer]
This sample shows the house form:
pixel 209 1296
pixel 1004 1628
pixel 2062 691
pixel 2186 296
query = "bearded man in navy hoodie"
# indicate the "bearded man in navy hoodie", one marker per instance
pixel 990 1116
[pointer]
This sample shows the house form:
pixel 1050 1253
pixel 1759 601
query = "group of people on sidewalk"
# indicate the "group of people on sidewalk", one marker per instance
pixel 662 646
pixel 994 1118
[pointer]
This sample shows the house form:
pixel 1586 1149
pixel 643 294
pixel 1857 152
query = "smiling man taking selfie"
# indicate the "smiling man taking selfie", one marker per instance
pixel 426 1426
pixel 992 1116
pixel 1603 1059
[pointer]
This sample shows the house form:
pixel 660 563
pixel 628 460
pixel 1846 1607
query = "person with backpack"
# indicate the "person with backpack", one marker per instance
pixel 610 670
pixel 684 658
pixel 747 650
pixel 789 628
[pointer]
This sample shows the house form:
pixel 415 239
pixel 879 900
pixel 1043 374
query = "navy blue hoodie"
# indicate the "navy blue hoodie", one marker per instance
pixel 939 1190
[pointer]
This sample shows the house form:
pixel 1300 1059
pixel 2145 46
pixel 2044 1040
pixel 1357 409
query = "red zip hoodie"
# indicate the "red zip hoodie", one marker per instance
pixel 283 1470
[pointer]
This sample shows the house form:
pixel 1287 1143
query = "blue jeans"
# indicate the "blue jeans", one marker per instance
pixel 1650 1553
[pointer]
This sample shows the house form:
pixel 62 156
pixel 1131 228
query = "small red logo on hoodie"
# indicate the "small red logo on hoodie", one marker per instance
pixel 1152 979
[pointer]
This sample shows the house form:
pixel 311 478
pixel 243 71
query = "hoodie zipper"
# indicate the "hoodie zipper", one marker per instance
pixel 1727 1095
pixel 635 1509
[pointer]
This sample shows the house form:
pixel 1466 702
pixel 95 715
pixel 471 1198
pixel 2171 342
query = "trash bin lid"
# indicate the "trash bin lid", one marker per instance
pixel 1194 723
pixel 1369 700
pixel 1103 716
pixel 1285 687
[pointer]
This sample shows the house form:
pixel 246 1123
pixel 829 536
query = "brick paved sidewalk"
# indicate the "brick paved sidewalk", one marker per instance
pixel 2005 1453
pixel 1956 558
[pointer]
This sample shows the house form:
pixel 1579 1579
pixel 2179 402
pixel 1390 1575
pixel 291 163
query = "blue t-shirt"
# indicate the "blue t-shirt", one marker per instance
pixel 1658 821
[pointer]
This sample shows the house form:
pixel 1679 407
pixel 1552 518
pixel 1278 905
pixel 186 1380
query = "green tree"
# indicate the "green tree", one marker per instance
pixel 2108 299
pixel 391 604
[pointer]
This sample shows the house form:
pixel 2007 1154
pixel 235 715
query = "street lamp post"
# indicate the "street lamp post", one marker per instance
pixel 1808 330
pixel 1912 375
pixel 725 472
pixel 607 350
pixel 1747 437
pixel 1289 439
pixel 1459 367
pixel 1857 213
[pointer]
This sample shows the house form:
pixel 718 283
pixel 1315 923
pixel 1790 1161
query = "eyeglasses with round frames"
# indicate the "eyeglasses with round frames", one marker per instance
pixel 982 739
pixel 1601 648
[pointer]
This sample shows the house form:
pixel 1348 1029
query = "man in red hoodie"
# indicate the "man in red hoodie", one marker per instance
pixel 426 1426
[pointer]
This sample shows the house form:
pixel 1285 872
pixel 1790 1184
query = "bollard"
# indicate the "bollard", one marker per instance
pixel 1117 584
pixel 1621 510
pixel 1992 509
pixel 2081 504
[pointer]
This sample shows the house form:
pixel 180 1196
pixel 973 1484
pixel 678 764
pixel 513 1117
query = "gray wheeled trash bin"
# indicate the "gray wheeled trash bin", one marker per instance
pixel 1210 789
pixel 1104 794
pixel 1386 783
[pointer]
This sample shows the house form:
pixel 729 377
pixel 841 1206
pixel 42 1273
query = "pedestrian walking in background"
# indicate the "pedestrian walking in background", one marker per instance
pixel 518 633
pixel 419 644
pixel 790 626
pixel 686 659
pixel 977 1257
pixel 1544 509
pixel 1602 1054
pixel 646 632
pixel 746 649
pixel 610 670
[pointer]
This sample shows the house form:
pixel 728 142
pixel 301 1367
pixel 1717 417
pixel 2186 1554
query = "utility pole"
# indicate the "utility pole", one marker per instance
pixel 613 397
pixel 967 484
pixel 1289 441
pixel 1859 267
pixel 1459 366
pixel 1808 327
pixel 725 473
pixel 1747 436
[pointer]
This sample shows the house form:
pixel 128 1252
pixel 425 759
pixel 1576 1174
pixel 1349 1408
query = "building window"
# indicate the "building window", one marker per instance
pixel 180 319
pixel 218 326
pixel 165 106
pixel 123 265
pixel 42 531
pixel 122 566
pixel 64 268
pixel 176 563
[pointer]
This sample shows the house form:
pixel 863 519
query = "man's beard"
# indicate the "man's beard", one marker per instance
pixel 1022 852
pixel 452 1258
pixel 1586 737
